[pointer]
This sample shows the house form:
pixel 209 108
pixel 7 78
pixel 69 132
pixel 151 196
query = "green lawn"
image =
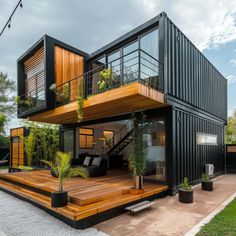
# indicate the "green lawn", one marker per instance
pixel 223 224
pixel 3 167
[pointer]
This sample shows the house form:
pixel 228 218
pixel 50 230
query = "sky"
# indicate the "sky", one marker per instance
pixel 91 24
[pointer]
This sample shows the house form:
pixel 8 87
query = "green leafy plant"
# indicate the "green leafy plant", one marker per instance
pixel 185 185
pixel 107 79
pixel 137 157
pixel 80 101
pixel 61 167
pixel 205 178
pixel 30 146
pixel 46 140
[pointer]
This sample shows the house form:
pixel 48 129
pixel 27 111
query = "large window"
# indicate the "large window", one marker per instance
pixel 125 62
pixel 86 138
pixel 114 63
pixel 149 56
pixel 130 62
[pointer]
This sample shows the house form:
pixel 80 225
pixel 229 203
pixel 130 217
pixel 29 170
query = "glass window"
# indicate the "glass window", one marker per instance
pixel 114 63
pixel 149 43
pixel 149 66
pixel 206 139
pixel 86 138
pixel 68 141
pixel 15 139
pixel 130 63
pixel 94 77
pixel 154 137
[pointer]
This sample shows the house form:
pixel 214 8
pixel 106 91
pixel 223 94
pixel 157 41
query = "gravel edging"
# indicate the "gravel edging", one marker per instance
pixel 19 218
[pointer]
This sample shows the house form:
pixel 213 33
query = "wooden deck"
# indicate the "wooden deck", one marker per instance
pixel 87 197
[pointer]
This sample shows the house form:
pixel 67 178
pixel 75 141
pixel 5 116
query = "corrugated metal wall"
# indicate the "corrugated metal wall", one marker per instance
pixel 190 76
pixel 190 157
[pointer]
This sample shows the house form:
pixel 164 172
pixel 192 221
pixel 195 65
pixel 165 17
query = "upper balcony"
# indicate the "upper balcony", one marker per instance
pixel 126 84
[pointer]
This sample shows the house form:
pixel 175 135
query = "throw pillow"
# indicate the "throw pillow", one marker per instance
pixel 86 161
pixel 96 161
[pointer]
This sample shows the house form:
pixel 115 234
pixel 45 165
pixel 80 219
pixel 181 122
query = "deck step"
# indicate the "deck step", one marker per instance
pixel 92 197
pixel 39 199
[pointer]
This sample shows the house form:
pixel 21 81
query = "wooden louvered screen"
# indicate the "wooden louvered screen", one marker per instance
pixel 68 65
pixel 34 69
pixel 17 147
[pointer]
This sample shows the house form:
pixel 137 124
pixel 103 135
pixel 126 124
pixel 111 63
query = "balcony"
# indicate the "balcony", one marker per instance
pixel 127 84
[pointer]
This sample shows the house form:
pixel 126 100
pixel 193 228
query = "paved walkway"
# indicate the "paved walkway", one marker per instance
pixel 169 217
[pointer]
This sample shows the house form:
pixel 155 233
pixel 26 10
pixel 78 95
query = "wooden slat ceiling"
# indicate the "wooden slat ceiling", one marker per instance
pixel 127 99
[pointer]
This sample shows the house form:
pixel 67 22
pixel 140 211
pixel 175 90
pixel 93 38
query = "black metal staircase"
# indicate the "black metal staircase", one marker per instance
pixel 123 138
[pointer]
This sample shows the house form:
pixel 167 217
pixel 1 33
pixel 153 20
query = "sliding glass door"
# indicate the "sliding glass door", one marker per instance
pixel 154 137
pixel 67 142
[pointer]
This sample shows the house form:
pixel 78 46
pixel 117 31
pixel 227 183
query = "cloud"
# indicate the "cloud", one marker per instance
pixel 231 79
pixel 89 25
pixel 233 62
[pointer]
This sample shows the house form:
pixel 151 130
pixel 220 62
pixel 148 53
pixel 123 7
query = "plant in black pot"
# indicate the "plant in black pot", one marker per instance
pixel 185 192
pixel 207 183
pixel 61 167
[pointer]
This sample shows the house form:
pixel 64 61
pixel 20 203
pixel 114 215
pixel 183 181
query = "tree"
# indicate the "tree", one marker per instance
pixel 231 129
pixel 7 87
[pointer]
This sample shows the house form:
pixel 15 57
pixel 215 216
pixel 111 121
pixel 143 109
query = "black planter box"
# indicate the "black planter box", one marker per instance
pixel 185 196
pixel 207 186
pixel 59 199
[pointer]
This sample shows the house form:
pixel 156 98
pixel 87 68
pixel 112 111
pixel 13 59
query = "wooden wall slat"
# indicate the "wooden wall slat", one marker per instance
pixel 34 69
pixel 68 65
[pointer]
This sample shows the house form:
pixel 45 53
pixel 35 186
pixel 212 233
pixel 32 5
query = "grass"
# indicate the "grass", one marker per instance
pixel 3 167
pixel 223 224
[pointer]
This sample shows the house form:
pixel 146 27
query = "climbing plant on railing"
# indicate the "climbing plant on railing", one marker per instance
pixel 80 101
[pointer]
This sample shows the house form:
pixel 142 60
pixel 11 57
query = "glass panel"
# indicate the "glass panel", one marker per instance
pixel 69 141
pixel 98 64
pixel 130 65
pixel 86 131
pixel 154 136
pixel 89 142
pixel 149 66
pixel 15 139
pixel 86 138
pixel 114 63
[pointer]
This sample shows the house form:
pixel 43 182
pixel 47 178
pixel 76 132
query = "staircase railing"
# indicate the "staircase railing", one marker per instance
pixel 120 135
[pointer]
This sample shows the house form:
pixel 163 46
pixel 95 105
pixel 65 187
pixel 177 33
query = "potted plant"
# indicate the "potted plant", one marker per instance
pixel 61 167
pixel 185 192
pixel 207 183
pixel 137 157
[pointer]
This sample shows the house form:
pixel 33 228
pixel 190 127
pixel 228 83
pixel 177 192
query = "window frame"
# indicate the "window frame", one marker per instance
pixel 90 135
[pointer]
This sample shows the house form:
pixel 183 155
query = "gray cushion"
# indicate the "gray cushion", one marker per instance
pixel 96 161
pixel 86 161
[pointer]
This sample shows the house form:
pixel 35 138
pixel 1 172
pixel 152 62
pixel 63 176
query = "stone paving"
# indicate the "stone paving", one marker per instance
pixel 170 217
